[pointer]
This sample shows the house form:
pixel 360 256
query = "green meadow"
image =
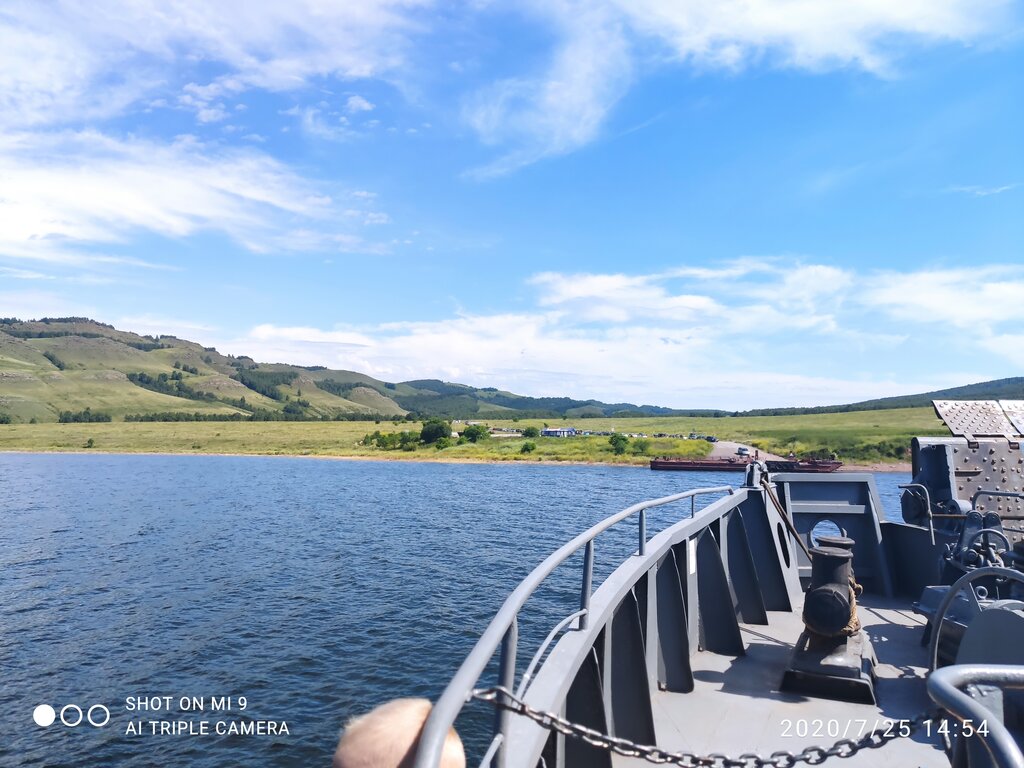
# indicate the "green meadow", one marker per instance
pixel 861 436
pixel 856 437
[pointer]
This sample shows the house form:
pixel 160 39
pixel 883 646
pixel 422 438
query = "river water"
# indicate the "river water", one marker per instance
pixel 314 589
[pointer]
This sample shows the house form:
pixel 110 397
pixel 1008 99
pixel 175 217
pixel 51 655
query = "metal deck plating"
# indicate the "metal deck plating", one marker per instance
pixel 736 706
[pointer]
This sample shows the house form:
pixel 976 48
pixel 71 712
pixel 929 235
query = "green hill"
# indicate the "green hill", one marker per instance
pixel 56 368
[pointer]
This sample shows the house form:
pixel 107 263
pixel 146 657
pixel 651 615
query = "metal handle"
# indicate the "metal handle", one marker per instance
pixel 928 501
pixel 944 687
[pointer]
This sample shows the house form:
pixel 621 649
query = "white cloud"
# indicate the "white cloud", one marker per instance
pixel 565 107
pixel 978 191
pixel 150 324
pixel 620 298
pixel 315 124
pixel 981 298
pixel 862 33
pixel 785 294
pixel 35 304
pixel 64 193
pixel 1008 346
pixel 67 61
pixel 602 44
pixel 269 332
pixel 802 288
pixel 728 271
pixel 357 103
pixel 23 274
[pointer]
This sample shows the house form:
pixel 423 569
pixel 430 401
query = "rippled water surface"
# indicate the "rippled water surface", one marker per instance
pixel 313 588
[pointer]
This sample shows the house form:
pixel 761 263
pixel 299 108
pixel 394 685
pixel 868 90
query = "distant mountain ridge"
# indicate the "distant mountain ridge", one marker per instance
pixel 997 389
pixel 75 368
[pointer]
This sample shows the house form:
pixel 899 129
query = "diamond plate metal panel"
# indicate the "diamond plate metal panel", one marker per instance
pixel 1014 410
pixel 991 464
pixel 979 418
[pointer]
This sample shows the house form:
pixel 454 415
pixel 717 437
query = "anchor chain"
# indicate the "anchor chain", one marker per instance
pixel 504 699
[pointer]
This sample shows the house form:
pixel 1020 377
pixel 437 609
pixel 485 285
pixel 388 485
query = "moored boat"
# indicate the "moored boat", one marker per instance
pixel 729 464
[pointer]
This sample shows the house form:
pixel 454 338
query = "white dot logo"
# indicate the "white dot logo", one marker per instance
pixel 70 720
pixel 44 715
pixel 71 715
pixel 98 708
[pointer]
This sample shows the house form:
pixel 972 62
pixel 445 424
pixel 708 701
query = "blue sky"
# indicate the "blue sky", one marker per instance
pixel 696 204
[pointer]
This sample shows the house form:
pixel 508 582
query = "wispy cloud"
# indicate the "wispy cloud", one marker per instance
pixel 978 191
pixel 565 108
pixel 320 125
pixel 62 62
pixel 71 63
pixel 602 45
pixel 164 325
pixel 35 303
pixel 983 298
pixel 23 274
pixel 63 194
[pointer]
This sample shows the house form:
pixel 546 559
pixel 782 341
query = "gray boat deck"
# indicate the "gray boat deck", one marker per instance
pixel 737 707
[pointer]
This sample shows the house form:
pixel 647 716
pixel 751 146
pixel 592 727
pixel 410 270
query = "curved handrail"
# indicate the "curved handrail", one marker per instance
pixel 447 708
pixel 944 688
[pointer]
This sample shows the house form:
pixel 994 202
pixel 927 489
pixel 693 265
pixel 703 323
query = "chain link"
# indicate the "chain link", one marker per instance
pixel 504 699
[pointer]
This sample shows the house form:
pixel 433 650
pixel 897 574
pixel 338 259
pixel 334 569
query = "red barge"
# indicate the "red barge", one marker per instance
pixel 729 464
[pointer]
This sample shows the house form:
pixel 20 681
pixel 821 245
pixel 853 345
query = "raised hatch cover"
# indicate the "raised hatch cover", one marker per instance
pixel 975 418
pixel 1014 410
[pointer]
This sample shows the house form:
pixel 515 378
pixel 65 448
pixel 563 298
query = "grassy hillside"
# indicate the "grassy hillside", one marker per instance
pixel 57 366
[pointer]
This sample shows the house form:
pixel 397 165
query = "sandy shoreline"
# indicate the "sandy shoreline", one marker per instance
pixel 904 467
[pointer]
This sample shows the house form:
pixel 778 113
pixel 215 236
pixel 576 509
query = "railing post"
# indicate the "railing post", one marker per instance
pixel 642 549
pixel 507 680
pixel 588 578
